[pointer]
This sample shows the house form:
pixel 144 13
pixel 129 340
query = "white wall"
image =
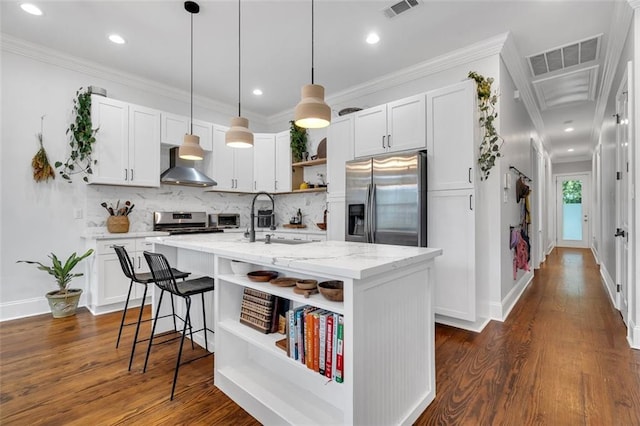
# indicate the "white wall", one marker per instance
pixel 518 131
pixel 37 218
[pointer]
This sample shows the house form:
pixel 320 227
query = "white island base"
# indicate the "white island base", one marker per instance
pixel 389 365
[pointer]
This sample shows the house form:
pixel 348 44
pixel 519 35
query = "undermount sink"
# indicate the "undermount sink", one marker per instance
pixel 291 242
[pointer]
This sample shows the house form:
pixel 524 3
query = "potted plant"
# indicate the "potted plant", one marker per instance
pixel 298 136
pixel 64 301
pixel 81 139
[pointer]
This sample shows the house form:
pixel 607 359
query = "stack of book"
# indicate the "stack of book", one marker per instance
pixel 261 310
pixel 316 339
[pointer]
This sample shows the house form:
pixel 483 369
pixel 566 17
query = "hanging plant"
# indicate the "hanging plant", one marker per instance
pixel 81 139
pixel 298 136
pixel 42 170
pixel 491 140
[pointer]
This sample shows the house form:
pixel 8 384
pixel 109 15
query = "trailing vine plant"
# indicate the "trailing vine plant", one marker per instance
pixel 298 136
pixel 81 139
pixel 491 140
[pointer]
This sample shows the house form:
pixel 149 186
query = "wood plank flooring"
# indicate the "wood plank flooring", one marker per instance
pixel 561 358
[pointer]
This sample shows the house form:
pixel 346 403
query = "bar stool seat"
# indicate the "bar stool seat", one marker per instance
pixel 143 278
pixel 165 279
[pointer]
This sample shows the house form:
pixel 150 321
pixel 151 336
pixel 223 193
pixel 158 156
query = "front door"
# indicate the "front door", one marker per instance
pixel 622 198
pixel 572 210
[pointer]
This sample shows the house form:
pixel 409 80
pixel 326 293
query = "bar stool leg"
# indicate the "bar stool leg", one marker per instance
pixel 153 330
pixel 204 323
pixel 187 300
pixel 124 314
pixel 135 337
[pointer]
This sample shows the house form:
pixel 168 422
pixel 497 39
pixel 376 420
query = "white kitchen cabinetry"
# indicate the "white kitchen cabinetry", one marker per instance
pixel 396 126
pixel 450 135
pixel 174 127
pixel 451 227
pixel 264 162
pixel 340 150
pixel 126 149
pixel 283 162
pixel 108 284
pixel 231 168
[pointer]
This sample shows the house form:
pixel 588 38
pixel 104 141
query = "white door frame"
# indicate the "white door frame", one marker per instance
pixel 586 209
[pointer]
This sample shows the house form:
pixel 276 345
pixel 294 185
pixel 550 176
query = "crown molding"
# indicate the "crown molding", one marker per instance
pixel 619 28
pixel 489 47
pixel 514 63
pixel 62 60
pixel 634 3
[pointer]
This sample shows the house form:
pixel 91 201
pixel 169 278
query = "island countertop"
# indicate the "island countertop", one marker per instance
pixel 339 258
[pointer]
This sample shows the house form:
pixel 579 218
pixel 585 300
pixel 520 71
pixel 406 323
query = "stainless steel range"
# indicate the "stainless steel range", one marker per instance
pixel 183 223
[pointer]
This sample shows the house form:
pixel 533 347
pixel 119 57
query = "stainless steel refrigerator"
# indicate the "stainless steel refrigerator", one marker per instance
pixel 386 199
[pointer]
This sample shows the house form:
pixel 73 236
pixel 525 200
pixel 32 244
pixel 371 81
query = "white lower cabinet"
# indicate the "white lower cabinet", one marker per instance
pixel 108 284
pixel 451 227
pixel 336 225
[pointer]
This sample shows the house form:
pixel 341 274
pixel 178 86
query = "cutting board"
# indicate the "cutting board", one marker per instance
pixel 294 226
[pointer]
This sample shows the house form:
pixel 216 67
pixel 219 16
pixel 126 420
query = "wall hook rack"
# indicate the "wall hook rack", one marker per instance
pixel 522 175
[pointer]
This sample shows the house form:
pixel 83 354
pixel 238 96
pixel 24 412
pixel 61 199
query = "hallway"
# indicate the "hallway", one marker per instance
pixel 560 358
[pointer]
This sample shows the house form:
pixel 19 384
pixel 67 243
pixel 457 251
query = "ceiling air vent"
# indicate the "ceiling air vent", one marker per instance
pixel 400 7
pixel 565 56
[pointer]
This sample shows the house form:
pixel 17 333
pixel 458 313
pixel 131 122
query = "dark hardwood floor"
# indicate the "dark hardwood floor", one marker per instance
pixel 561 358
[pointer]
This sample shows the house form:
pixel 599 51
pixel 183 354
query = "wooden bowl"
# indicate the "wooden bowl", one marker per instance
pixel 322 226
pixel 332 290
pixel 306 284
pixel 262 276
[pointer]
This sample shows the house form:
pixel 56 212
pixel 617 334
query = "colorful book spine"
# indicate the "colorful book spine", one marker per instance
pixel 308 335
pixel 316 341
pixel 340 351
pixel 291 322
pixel 300 334
pixel 322 342
pixel 328 370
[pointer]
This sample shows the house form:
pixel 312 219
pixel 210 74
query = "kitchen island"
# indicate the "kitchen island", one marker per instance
pixel 389 365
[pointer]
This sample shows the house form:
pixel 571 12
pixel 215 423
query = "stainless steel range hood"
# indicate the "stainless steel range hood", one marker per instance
pixel 182 172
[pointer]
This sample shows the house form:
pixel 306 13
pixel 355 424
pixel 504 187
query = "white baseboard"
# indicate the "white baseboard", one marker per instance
pixel 633 336
pixel 500 311
pixel 609 285
pixel 550 248
pixel 595 255
pixel 476 326
pixel 24 308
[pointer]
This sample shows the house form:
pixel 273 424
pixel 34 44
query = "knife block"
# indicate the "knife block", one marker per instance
pixel 118 224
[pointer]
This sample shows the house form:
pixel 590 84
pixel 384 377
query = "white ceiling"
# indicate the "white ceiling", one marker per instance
pixel 276 39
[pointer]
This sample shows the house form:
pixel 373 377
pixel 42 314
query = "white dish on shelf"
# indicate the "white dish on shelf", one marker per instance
pixel 241 268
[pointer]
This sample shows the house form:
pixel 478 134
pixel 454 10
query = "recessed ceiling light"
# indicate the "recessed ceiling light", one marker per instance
pixel 569 129
pixel 373 38
pixel 257 92
pixel 570 150
pixel 31 8
pixel 117 39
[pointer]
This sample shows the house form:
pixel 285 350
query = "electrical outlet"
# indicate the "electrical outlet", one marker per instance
pixel 77 213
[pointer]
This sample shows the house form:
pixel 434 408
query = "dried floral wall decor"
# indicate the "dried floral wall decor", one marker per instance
pixel 81 139
pixel 42 170
pixel 491 140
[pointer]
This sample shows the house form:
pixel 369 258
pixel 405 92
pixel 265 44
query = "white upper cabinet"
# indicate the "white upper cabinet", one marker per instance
pixel 174 127
pixel 283 162
pixel 264 162
pixel 126 149
pixel 396 126
pixel 339 151
pixel 451 127
pixel 232 168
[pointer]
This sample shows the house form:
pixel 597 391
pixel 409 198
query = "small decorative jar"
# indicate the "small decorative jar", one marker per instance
pixel 118 224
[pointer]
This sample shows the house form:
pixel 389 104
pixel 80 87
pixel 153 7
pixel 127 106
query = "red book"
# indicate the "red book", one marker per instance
pixel 329 347
pixel 316 341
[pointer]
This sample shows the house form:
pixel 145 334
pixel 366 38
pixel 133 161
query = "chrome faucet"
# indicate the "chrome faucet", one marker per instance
pixel 252 231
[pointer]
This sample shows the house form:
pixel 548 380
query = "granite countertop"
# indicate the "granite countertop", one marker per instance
pixel 337 258
pixel 103 234
pixel 280 229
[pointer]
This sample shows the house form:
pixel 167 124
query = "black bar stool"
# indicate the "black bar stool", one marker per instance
pixel 143 279
pixel 165 279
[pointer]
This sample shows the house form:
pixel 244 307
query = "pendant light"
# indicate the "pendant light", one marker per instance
pixel 312 112
pixel 239 135
pixel 190 148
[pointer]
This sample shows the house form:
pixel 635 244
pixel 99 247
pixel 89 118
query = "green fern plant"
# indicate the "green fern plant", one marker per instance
pixel 61 272
pixel 491 140
pixel 298 136
pixel 81 139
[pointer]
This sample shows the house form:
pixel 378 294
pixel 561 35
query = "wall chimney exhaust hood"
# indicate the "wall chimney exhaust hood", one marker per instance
pixel 182 172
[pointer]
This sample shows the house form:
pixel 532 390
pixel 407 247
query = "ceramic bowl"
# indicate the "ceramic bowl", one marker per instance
pixel 332 290
pixel 306 284
pixel 241 268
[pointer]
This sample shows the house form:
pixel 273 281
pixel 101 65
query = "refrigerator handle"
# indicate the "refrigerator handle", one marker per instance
pixel 372 216
pixel 366 214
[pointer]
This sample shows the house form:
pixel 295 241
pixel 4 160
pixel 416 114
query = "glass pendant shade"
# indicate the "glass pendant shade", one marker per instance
pixel 190 148
pixel 239 135
pixel 312 112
